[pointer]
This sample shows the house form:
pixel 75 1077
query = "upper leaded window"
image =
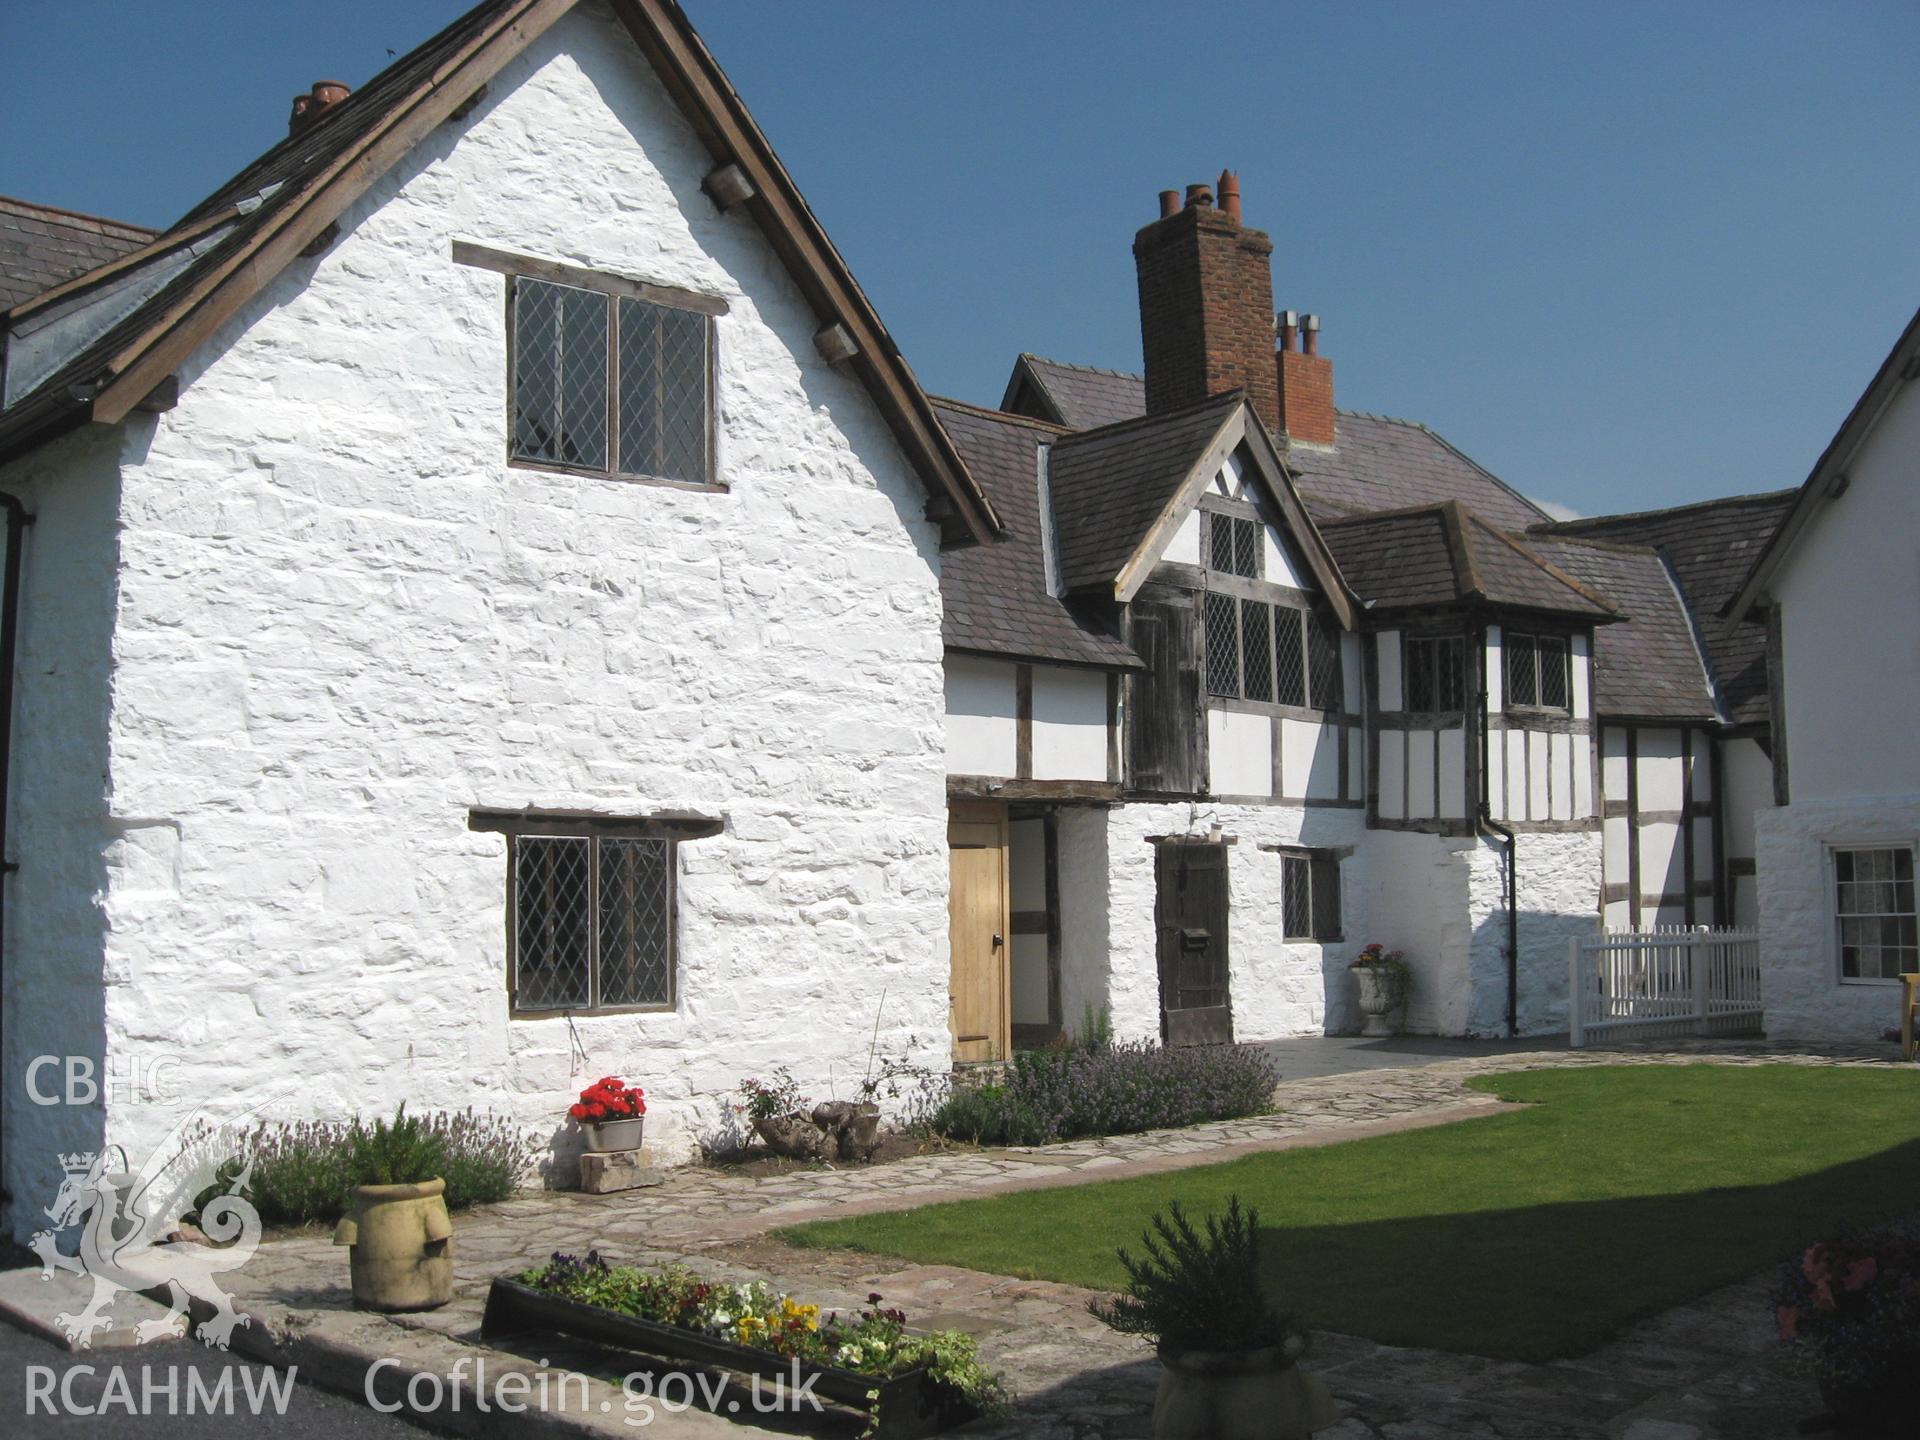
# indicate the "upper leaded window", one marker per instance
pixel 1538 667
pixel 1233 545
pixel 1436 673
pixel 611 385
pixel 1874 912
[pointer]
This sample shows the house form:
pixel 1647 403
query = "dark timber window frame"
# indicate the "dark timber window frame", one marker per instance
pixel 1235 545
pixel 1433 674
pixel 1884 902
pixel 646 840
pixel 1533 680
pixel 1310 899
pixel 625 301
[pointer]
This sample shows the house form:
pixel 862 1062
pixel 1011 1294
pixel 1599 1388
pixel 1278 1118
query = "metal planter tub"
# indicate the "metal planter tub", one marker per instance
pixel 910 1404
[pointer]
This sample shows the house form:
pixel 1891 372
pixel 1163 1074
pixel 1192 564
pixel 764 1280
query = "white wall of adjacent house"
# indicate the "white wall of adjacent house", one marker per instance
pixel 1847 592
pixel 342 619
pixel 1746 778
pixel 1657 784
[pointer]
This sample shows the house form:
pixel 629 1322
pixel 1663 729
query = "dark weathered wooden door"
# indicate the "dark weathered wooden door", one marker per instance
pixel 1191 920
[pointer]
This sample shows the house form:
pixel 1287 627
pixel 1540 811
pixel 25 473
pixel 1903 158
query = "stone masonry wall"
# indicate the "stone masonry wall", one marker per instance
pixel 344 620
pixel 1559 895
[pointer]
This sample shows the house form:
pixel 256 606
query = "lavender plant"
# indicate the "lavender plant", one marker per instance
pixel 1127 1087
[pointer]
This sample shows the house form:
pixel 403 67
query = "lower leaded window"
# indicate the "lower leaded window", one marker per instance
pixel 1310 894
pixel 1537 669
pixel 1874 911
pixel 1259 651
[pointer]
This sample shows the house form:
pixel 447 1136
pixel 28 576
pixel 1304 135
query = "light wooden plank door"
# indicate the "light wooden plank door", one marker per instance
pixel 977 924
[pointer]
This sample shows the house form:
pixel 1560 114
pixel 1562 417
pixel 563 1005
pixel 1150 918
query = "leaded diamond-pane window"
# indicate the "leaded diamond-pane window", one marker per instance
pixel 1553 672
pixel 1290 663
pixel 1310 894
pixel 1233 545
pixel 592 922
pixel 611 387
pixel 559 375
pixel 1522 680
pixel 1323 656
pixel 1435 673
pixel 1537 673
pixel 1874 911
pixel 1256 648
pixel 1223 644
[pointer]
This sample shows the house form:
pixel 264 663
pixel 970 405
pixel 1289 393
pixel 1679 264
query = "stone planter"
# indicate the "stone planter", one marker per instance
pixel 400 1246
pixel 1379 998
pixel 794 1136
pixel 615 1134
pixel 1238 1395
pixel 851 1130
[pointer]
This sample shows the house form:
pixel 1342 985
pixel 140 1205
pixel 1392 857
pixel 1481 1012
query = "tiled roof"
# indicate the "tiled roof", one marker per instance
pixel 1649 666
pixel 1076 396
pixel 1110 485
pixel 1711 546
pixel 1377 463
pixel 41 247
pixel 996 596
pixel 1445 554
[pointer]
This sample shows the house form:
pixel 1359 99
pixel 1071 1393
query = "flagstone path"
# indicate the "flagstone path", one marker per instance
pixel 1706 1369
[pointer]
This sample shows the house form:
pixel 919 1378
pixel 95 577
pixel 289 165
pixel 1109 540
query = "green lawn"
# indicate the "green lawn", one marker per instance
pixel 1529 1235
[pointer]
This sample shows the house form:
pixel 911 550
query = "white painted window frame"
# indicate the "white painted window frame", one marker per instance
pixel 1829 846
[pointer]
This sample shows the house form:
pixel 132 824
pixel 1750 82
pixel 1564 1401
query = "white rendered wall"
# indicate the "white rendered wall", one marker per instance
pixel 982 728
pixel 1746 776
pixel 1239 753
pixel 1559 895
pixel 1278 988
pixel 1027 951
pixel 1085 957
pixel 1415 889
pixel 1069 723
pixel 1849 592
pixel 1800 983
pixel 343 620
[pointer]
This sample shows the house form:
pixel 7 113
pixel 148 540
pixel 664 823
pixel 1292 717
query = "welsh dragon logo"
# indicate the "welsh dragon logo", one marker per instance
pixel 129 1236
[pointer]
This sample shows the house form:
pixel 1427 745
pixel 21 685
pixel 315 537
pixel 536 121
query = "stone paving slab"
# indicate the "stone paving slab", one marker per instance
pixel 1704 1370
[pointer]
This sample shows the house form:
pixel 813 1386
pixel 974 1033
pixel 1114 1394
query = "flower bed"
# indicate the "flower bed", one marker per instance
pixel 1057 1095
pixel 909 1384
pixel 1850 1306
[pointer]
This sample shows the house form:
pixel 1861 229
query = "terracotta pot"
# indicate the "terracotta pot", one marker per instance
pixel 615 1134
pixel 794 1136
pixel 400 1246
pixel 1238 1395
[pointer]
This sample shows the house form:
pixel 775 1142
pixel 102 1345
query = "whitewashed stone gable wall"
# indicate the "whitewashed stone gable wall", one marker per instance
pixel 343 620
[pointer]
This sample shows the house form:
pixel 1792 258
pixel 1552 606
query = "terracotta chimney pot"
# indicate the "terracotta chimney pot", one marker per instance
pixel 1169 203
pixel 1230 195
pixel 1199 197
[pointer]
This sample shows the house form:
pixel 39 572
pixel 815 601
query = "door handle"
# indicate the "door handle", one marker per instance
pixel 997 941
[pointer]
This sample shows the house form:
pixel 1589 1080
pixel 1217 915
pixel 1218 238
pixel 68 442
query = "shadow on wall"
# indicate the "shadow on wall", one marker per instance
pixel 56 920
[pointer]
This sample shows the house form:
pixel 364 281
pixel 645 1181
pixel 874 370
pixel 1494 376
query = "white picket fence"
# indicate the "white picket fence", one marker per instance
pixel 1643 984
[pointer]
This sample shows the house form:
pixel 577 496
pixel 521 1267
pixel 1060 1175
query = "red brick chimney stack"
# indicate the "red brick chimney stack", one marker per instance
pixel 1207 323
pixel 1206 304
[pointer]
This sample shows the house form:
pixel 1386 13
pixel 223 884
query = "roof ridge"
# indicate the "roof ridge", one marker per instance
pixel 1084 369
pixel 1756 497
pixel 1432 507
pixel 1235 396
pixel 1008 416
pixel 1591 542
pixel 76 214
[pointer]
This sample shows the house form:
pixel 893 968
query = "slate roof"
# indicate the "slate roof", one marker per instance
pixel 1076 396
pixel 1649 668
pixel 1110 485
pixel 1444 555
pixel 41 247
pixel 996 597
pixel 1378 463
pixel 1711 546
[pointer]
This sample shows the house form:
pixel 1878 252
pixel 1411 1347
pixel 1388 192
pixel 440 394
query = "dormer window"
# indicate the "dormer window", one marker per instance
pixel 1537 671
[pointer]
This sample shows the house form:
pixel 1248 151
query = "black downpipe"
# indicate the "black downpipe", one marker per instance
pixel 17 521
pixel 1488 825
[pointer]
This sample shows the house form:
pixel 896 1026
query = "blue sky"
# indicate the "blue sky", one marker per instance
pixel 1625 256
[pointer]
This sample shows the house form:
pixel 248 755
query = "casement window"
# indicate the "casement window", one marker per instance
pixel 610 384
pixel 1873 911
pixel 590 909
pixel 1234 545
pixel 1435 673
pixel 1310 894
pixel 1274 653
pixel 1537 671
